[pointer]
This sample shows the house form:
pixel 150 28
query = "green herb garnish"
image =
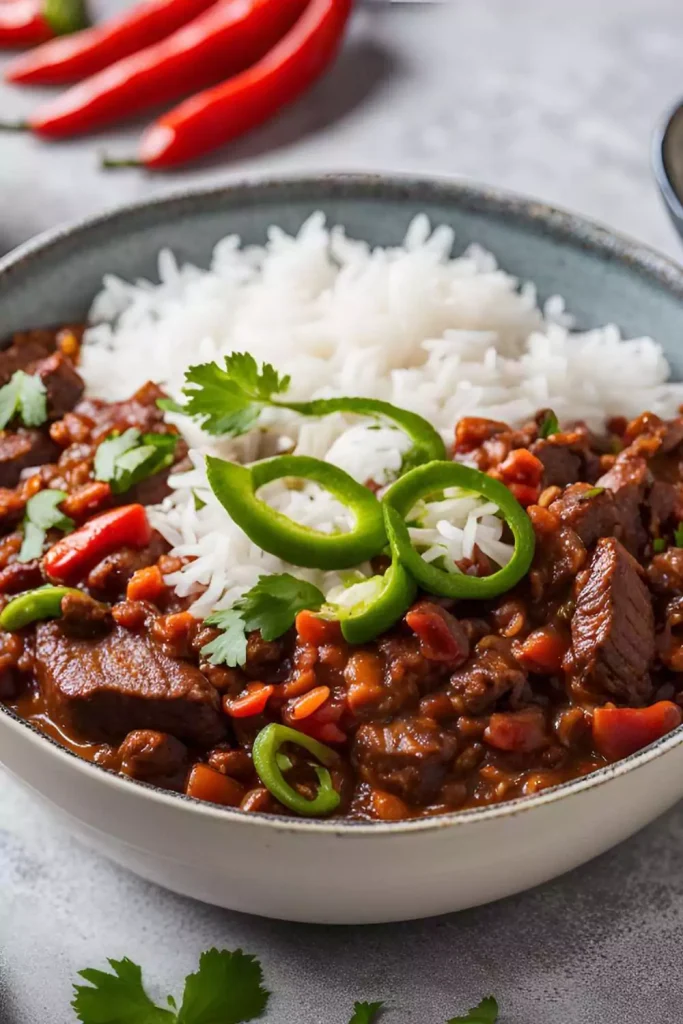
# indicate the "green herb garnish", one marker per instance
pixel 23 397
pixel 123 460
pixel 42 514
pixel 365 1013
pixel 271 606
pixel 658 545
pixel 485 1013
pixel 227 989
pixel 678 536
pixel 592 492
pixel 549 425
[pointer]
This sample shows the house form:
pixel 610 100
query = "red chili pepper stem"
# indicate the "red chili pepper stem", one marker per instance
pixel 108 163
pixel 14 126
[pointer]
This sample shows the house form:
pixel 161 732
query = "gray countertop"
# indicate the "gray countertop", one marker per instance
pixel 557 100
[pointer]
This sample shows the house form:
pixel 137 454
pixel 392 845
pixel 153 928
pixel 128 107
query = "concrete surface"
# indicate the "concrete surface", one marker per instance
pixel 553 99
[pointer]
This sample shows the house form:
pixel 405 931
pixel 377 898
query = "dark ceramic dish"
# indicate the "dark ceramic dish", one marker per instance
pixel 667 163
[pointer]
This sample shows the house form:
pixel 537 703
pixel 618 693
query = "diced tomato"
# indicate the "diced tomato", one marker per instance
pixel 542 651
pixel 526 494
pixel 441 636
pixel 518 731
pixel 146 585
pixel 522 467
pixel 311 629
pixel 206 784
pixel 618 732
pixel 252 702
pixel 472 431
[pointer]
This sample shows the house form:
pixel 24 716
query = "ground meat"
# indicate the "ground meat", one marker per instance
pixel 149 755
pixel 83 616
pixel 140 411
pixel 491 674
pixel 22 449
pixel 104 689
pixel 408 757
pixel 18 576
pixel 613 632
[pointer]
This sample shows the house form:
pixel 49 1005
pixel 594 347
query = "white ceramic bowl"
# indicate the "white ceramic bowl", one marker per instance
pixel 334 872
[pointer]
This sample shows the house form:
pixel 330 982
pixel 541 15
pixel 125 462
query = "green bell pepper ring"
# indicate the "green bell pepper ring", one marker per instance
pixel 427 442
pixel 235 487
pixel 42 603
pixel 384 600
pixel 432 479
pixel 268 768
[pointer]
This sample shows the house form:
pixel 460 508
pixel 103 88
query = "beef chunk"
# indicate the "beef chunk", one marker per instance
pixel 603 514
pixel 140 411
pixel 561 465
pixel 63 385
pixel 629 480
pixel 21 449
pixel 25 350
pixel 491 674
pixel 146 755
pixel 18 576
pixel 109 578
pixel 408 757
pixel 105 688
pixel 613 631
pixel 665 572
pixel 83 616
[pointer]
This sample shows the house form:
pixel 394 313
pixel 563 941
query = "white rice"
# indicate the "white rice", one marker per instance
pixel 442 336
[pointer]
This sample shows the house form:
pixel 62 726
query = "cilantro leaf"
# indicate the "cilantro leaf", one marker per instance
pixel 230 648
pixel 25 397
pixel 678 536
pixel 592 492
pixel 271 606
pixel 227 989
pixel 549 425
pixel 123 460
pixel 274 602
pixel 485 1013
pixel 117 998
pixel 365 1013
pixel 229 401
pixel 658 545
pixel 42 514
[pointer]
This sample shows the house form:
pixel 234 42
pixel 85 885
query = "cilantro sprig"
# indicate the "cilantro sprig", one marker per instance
pixel 229 401
pixel 42 514
pixel 24 398
pixel 123 460
pixel 549 425
pixel 271 606
pixel 226 989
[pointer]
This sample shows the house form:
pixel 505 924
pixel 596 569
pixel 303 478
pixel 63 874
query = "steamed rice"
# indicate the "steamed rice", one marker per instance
pixel 444 337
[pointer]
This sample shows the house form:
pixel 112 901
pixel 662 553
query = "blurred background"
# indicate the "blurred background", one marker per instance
pixel 556 100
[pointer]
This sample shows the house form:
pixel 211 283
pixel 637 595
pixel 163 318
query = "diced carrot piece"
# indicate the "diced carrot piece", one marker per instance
pixel 618 732
pixel 542 651
pixel 206 784
pixel 311 629
pixel 306 705
pixel 146 585
pixel 387 807
pixel 252 702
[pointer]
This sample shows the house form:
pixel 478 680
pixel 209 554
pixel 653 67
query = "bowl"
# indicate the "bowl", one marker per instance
pixel 667 163
pixel 331 871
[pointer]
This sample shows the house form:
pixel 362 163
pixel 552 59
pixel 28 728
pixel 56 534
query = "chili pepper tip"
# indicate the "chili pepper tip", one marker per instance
pixel 14 126
pixel 109 163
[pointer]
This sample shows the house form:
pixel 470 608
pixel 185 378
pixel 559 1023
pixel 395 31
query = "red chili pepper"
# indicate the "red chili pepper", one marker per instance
pixel 29 22
pixel 226 39
pixel 253 702
pixel 216 116
pixel 68 60
pixel 73 556
pixel 618 732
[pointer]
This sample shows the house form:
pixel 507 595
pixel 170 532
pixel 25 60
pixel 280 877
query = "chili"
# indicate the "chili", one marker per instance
pixel 264 753
pixel 217 116
pixel 73 556
pixel 225 39
pixel 235 487
pixel 430 479
pixel 29 22
pixel 34 605
pixel 96 48
pixel 381 602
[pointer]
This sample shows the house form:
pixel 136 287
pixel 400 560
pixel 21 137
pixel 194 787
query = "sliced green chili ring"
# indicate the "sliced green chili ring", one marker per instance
pixel 265 756
pixel 432 479
pixel 427 442
pixel 235 487
pixel 373 615
pixel 34 605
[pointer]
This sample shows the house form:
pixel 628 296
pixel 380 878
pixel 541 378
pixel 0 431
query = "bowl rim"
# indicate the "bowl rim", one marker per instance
pixel 673 201
pixel 567 227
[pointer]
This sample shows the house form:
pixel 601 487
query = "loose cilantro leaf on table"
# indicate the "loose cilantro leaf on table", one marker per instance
pixel 271 606
pixel 42 514
pixel 485 1013
pixel 123 460
pixel 229 401
pixel 365 1013
pixel 226 989
pixel 24 397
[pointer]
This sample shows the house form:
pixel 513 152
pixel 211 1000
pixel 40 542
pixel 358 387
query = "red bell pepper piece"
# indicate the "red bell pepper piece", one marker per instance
pixel 618 732
pixel 542 651
pixel 73 556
